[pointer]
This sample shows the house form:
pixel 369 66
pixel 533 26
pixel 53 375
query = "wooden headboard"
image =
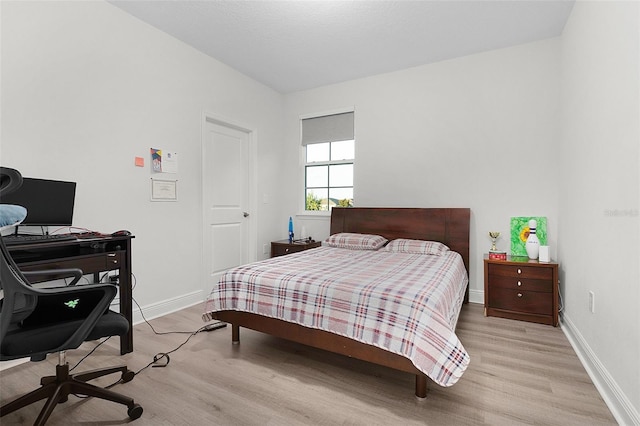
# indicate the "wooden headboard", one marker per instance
pixel 447 225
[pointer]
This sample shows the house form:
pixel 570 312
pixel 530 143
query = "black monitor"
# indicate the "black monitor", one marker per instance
pixel 48 202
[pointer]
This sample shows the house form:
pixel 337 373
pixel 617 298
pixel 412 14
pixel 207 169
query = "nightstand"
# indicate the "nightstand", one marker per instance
pixel 282 247
pixel 522 289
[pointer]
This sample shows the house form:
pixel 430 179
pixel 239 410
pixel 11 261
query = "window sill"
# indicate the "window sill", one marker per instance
pixel 314 215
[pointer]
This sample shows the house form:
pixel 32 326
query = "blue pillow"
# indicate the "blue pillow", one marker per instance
pixel 11 215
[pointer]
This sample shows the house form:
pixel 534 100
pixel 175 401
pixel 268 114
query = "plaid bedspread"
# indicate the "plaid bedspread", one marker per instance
pixel 407 304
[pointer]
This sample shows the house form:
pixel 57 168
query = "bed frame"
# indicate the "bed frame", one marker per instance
pixel 447 225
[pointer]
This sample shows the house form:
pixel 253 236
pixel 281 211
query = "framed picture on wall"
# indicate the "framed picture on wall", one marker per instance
pixel 520 232
pixel 164 190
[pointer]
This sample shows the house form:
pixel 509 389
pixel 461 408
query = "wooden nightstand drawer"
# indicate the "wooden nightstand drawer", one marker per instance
pixel 521 289
pixel 281 250
pixel 520 271
pixel 530 302
pixel 282 247
pixel 524 284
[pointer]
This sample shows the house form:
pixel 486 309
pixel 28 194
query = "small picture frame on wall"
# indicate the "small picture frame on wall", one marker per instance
pixel 164 190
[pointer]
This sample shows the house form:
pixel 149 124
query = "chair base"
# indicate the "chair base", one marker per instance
pixel 56 389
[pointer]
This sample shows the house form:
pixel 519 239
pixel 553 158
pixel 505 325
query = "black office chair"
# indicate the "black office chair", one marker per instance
pixel 37 321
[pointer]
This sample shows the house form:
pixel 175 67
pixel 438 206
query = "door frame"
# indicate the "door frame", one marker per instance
pixel 252 237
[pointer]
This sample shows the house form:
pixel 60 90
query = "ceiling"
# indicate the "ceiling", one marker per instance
pixel 301 44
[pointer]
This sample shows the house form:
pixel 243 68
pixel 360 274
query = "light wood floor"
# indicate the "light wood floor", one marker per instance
pixel 520 373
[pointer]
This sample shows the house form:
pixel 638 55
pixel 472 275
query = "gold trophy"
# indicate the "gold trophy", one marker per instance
pixel 494 237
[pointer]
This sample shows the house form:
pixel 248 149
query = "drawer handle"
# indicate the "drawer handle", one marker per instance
pixel 519 294
pixel 519 270
pixel 519 283
pixel 111 255
pixel 286 250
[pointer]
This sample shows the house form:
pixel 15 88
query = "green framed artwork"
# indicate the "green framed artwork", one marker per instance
pixel 520 233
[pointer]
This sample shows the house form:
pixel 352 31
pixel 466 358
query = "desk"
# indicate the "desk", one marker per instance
pixel 92 256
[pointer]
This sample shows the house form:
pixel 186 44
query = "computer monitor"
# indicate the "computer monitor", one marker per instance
pixel 48 202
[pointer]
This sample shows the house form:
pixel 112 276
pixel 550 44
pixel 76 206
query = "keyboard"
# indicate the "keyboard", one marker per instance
pixel 10 240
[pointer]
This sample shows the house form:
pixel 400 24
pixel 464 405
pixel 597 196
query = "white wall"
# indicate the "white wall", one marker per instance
pixel 599 227
pixel 479 132
pixel 548 128
pixel 86 88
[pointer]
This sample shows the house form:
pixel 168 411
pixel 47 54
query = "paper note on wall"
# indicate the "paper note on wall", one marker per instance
pixel 163 161
pixel 156 160
pixel 170 162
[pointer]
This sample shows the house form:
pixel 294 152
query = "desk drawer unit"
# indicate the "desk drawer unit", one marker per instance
pixel 88 263
pixel 521 289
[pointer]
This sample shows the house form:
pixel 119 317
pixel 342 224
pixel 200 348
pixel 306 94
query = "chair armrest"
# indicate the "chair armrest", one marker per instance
pixel 98 295
pixel 53 274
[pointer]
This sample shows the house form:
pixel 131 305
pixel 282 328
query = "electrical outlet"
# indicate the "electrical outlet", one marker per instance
pixel 265 249
pixel 592 302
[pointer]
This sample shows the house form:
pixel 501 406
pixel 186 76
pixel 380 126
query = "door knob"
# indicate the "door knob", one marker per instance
pixel 245 214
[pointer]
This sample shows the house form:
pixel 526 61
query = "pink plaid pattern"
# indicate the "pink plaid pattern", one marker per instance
pixel 356 241
pixel 407 304
pixel 416 246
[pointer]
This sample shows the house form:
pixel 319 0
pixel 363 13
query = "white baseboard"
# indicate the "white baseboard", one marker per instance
pixel 621 408
pixel 166 307
pixel 476 296
pixel 4 365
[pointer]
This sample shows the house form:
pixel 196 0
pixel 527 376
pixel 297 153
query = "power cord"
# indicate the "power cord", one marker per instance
pixel 208 327
pixel 162 333
pixel 90 352
pixel 161 359
pixel 561 307
pixel 70 229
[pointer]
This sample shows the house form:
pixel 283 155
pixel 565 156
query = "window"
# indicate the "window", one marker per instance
pixel 329 147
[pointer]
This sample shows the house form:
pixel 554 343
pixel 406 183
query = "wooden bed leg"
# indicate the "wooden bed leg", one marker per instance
pixel 421 386
pixel 235 334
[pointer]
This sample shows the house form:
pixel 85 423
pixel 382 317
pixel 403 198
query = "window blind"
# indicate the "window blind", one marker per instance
pixel 327 128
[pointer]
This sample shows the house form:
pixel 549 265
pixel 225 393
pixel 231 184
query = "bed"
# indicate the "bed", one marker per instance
pixel 363 293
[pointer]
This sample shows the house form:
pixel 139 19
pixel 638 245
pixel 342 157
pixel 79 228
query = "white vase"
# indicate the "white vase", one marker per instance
pixel 533 244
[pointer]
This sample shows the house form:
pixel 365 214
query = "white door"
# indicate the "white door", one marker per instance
pixel 226 192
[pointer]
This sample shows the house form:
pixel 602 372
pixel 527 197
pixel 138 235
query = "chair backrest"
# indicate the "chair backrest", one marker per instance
pixel 10 180
pixel 16 304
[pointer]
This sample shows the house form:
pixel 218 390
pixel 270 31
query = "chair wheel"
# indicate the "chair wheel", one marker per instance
pixel 135 411
pixel 128 376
